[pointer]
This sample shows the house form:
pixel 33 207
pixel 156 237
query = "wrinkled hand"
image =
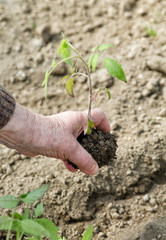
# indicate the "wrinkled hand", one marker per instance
pixel 54 136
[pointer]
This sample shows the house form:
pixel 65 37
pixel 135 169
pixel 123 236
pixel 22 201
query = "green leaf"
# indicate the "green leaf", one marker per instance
pixel 103 47
pixel 8 201
pixel 38 210
pixel 90 60
pixel 31 227
pixel 4 220
pixel 26 214
pixel 35 195
pixel 94 61
pixel 108 92
pixel 94 48
pixel 53 63
pixel 90 126
pixel 69 87
pixel 88 234
pixel 114 69
pixel 66 54
pixel 50 227
pixel 5 224
pixel 31 238
pixel 17 216
pixel 46 78
pixel 65 77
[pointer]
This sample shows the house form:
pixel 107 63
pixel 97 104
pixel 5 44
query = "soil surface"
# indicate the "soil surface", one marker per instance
pixel 126 200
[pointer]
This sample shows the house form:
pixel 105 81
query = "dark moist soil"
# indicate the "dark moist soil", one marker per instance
pixel 101 145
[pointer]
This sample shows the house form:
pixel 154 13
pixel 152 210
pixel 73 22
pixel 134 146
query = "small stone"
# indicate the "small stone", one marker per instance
pixel 115 215
pixel 39 58
pixel 110 205
pixel 59 70
pixel 162 113
pixel 142 11
pixel 145 92
pixel 21 66
pixel 44 31
pixel 157 63
pixel 101 234
pixel 102 77
pixel 152 202
pixel 36 44
pixel 20 76
pixel 18 48
pixel 133 51
pixel 128 172
pixel 146 198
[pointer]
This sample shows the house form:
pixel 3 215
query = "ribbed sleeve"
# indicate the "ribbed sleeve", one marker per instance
pixel 7 106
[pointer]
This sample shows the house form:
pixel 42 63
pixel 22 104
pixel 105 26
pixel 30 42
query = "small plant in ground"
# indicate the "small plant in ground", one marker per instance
pixel 152 29
pixel 105 144
pixel 27 226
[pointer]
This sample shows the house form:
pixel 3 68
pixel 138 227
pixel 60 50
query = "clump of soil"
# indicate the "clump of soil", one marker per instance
pixel 101 145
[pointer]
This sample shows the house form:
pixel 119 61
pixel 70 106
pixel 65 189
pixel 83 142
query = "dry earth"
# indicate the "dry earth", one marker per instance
pixel 126 201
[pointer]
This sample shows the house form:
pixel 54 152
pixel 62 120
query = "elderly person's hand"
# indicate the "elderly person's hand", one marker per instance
pixel 53 136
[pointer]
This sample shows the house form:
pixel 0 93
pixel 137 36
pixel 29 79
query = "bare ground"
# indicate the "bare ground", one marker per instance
pixel 122 199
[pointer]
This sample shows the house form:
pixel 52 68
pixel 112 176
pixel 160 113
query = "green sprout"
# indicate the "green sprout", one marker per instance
pixel 34 226
pixel 70 55
pixel 152 30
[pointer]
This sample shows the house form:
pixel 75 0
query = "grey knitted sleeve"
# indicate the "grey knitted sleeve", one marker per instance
pixel 7 106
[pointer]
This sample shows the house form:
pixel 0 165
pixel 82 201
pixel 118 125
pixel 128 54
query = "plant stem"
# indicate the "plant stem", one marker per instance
pixel 21 236
pixel 10 226
pixel 62 62
pixel 89 80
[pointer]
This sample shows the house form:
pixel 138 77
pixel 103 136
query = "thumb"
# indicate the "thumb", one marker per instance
pixel 83 159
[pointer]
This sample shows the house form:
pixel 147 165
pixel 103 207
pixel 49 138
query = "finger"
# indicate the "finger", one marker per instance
pixel 100 119
pixel 83 159
pixel 69 166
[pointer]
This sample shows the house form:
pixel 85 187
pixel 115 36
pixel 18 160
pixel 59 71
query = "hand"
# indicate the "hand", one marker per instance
pixel 53 136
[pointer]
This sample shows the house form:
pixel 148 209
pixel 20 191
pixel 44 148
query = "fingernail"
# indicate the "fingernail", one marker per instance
pixel 94 169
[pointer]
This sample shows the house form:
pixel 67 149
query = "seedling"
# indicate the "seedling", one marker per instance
pixel 71 55
pixel 30 227
pixel 152 29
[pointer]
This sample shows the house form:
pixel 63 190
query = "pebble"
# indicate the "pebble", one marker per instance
pixel 101 234
pixel 21 66
pixel 152 202
pixel 102 77
pixel 44 31
pixel 39 58
pixel 157 63
pixel 18 47
pixel 133 51
pixel 146 198
pixel 110 205
pixel 115 215
pixel 60 70
pixel 20 76
pixel 162 113
pixel 36 44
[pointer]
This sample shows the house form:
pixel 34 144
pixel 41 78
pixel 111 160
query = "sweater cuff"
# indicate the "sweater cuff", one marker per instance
pixel 7 106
